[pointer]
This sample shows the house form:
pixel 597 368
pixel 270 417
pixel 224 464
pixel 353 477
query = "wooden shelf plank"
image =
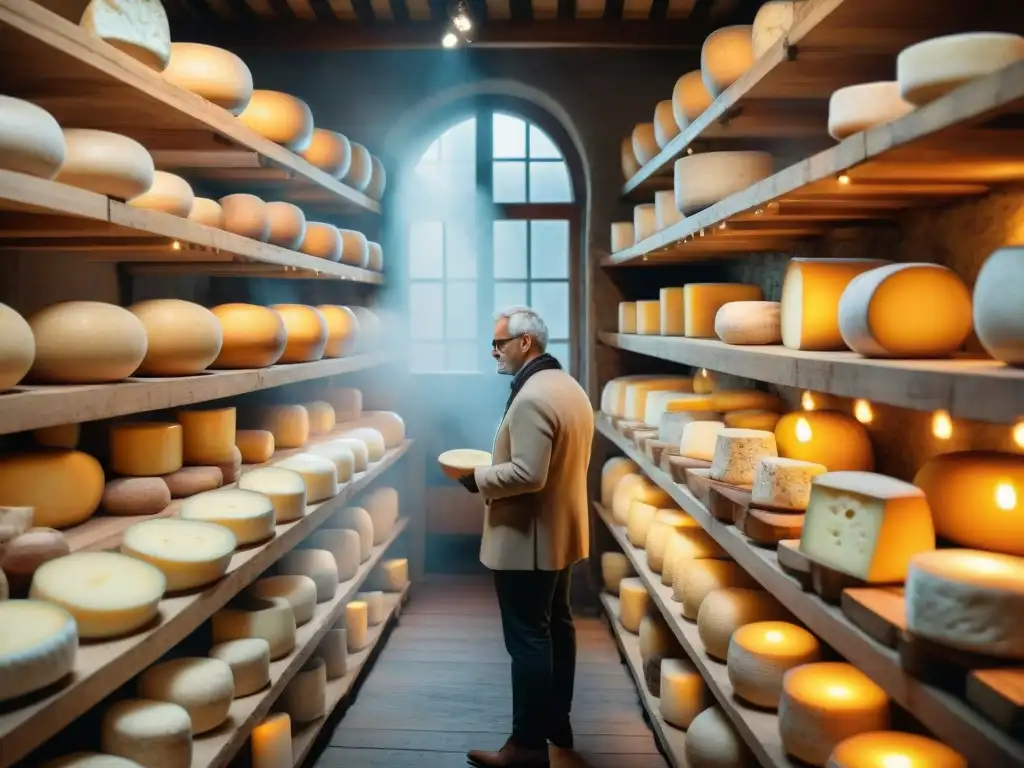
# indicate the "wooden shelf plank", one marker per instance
pixel 671 739
pixel 304 735
pixel 31 407
pixel 101 668
pixel 946 716
pixel 85 83
pixel 936 153
pixel 758 728
pixel 979 389
pixel 216 749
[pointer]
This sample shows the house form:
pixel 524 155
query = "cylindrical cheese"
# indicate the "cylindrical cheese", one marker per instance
pixel 245 215
pixel 665 127
pixel 232 468
pixel 249 661
pixel 627 159
pixel 358 520
pixel 289 425
pixel 183 338
pixel 203 686
pixel 279 117
pixel 725 57
pixel 391 575
pixel 38 649
pixel 338 453
pixel 319 474
pixel 857 108
pixel 725 610
pixel 298 590
pixel 285 488
pixel 998 319
pixel 206 212
pixel 321 417
pixel 636 487
pixel 253 337
pixel 135 496
pixel 645 146
pixel 623 236
pixel 344 546
pixel 639 521
pixel 760 654
pixel 376 262
pixel 25 553
pixel 247 514
pixel 255 445
pixel 374 606
pixel 374 440
pixel 705 178
pixel 932 68
pixel 614 470
pixel 317 564
pixel 378 179
pixel 833 439
pixel 634 603
pixel 287 225
pixel 329 151
pixel 307 333
pixel 627 319
pixel 355 249
pixel 63 487
pixel 665 212
pixel 690 98
pixel 356 625
pixel 143 449
pixel 694 580
pixel 738 452
pixel 664 524
pixel 749 322
pixel 155 734
pixel 305 696
pixel 360 170
pixel 784 483
pixel 208 436
pixel 17 347
pixel 217 75
pixel 772 21
pixel 712 741
pixel 169 194
pixel 892 749
pixel 333 649
pixel 270 618
pixel 105 162
pixel 656 644
pixel 684 694
pixel 189 553
pixel 322 241
pixel 31 141
pixel 188 481
pixel 382 506
pixel 342 330
pixel 752 419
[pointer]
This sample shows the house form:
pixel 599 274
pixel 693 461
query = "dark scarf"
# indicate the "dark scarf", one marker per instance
pixel 544 362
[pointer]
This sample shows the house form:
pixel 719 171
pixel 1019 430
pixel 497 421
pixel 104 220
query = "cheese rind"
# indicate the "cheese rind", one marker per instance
pixel 279 117
pixel 834 439
pixel 614 470
pixel 622 236
pixel 189 553
pixel 866 525
pixel 636 392
pixel 255 445
pixel 856 108
pixel 665 212
pixel 32 141
pixel 726 610
pixel 701 302
pixel 269 618
pixel 660 531
pixel 690 98
pixel 168 194
pixel 648 318
pixel 38 649
pixel 645 221
pixel 204 687
pixel 253 336
pixel 645 145
pixel 305 696
pixel 725 57
pixel 615 567
pixel 318 473
pixel 247 514
pixel 893 749
pixel 182 338
pixel 725 400
pixel 699 439
pixel 684 695
pixel 639 521
pixel 694 580
pixel 627 317
pixel 138 28
pixel 705 178
pixel 772 22
pixel 665 127
pixel 749 322
pixel 344 546
pixel 156 734
pixel 391 575
pixel 382 506
pixel 145 449
pixel 63 488
pixel 998 317
pixel 671 302
pixel 738 453
pixel 634 603
pixel 358 520
pixel 307 333
pixel 208 436
pixel 711 740
pixel 932 68
pixel 298 590
pixel 759 655
pixel 317 564
pixel 285 488
pixel 215 74
pixel 784 483
pixel 635 487
pixel 249 662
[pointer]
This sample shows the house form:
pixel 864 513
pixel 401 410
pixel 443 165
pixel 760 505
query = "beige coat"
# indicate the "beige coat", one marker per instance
pixel 536 487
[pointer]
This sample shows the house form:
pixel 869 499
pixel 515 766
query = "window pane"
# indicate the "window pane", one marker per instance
pixel 460 250
pixel 509 295
pixel 426 311
pixel 460 310
pixel 431 154
pixel 509 136
pixel 551 300
pixel 549 183
pixel 461 356
pixel 426 249
pixel 509 249
pixel 541 145
pixel 458 143
pixel 549 249
pixel 510 182
pixel 560 351
pixel 426 357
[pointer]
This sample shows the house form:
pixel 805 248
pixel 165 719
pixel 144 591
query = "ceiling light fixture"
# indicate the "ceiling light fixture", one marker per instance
pixel 450 40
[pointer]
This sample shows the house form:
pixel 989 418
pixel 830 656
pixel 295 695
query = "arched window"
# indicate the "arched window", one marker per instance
pixel 491 220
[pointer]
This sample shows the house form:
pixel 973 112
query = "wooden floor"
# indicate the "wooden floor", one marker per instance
pixel 441 687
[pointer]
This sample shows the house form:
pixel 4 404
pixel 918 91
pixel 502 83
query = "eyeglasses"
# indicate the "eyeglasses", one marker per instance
pixel 497 344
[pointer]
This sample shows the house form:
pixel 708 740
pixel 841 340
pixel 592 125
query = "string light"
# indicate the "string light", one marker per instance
pixel 176 245
pixel 450 40
pixel 862 411
pixel 807 401
pixel 843 179
pixel 942 425
pixel 1018 433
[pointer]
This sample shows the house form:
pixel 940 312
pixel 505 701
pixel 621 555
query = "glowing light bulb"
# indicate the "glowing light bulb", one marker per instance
pixel 176 246
pixel 1006 497
pixel 862 411
pixel 449 40
pixel 807 401
pixel 773 637
pixel 1018 433
pixel 462 22
pixel 803 430
pixel 843 179
pixel 703 373
pixel 942 425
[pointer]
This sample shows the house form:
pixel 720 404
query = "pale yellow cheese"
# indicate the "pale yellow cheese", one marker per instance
pixel 340 454
pixel 307 333
pixel 269 618
pixel 892 749
pixel 282 118
pixel 208 436
pixel 155 734
pixel 391 575
pixel 372 438
pixel 711 740
pixel 932 68
pixel 287 225
pixel 705 178
pixel 738 452
pixel 206 212
pixel 665 212
pixel 183 338
pixel 725 57
pixel 639 521
pixel 355 248
pixel 253 337
pixel 189 553
pixel 699 439
pixel 32 142
pixel 771 23
pixel 356 623
pixel 249 661
pixel 297 589
pixel 645 221
pixel 317 564
pixel 288 423
pixel 726 610
pixel 247 514
pixel 657 405
pixel 342 331
pixel 284 487
pixel 360 170
pixel 374 606
pixel 245 215
pixel 344 546
pixel 614 470
pixel 358 520
pixel 319 474
pixel 645 145
pixel 382 506
pixel 17 346
pixel 684 695
pixel 998 319
pixel 271 742
pixel 749 322
pixel 633 487
pixel 204 687
pixel 255 445
pixel 665 523
pixel 615 567
pixel 857 108
pixel 627 317
pixel 623 236
pixel 760 654
pixel 63 488
pixel 37 648
pixel 673 318
pixel 784 483
pixel 838 441
pixel 665 127
pixel 305 696
pixel 627 158
pixel 321 417
pixel 333 649
pixel 701 302
pixel 648 318
pixel 390 425
pixel 105 162
pixel 694 580
pixel 322 241
pixel 219 76
pixel 169 194
pixel 690 98
pixel 634 603
pixel 751 419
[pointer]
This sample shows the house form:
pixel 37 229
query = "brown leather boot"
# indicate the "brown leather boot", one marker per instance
pixel 510 756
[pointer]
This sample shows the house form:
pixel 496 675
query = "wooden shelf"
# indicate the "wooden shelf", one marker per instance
pixel 758 728
pixel 982 743
pixel 980 389
pixel 215 749
pixel 42 216
pixel 31 407
pixel 949 149
pixel 102 667
pixel 832 44
pixel 85 83
pixel 304 735
pixel 672 739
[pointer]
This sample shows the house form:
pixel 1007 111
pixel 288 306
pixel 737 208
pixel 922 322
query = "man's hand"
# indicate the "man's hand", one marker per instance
pixel 469 482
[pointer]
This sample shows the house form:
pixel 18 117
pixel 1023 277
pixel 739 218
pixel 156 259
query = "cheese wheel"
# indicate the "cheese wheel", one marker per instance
pixel 712 741
pixel 648 318
pixel 627 159
pixel 321 417
pixel 358 520
pixel 344 546
pixel 660 531
pixel 285 488
pixel 645 221
pixel 636 487
pixel 705 178
pixel 24 554
pixel 208 436
pixel 156 734
pixel 206 212
pixel 360 170
pixel 634 603
pixel 684 545
pixel 91 760
pixel 355 249
pixel 673 423
pixel 107 163
pixel 183 338
pixel 356 625
pixel 138 29
pixel 627 317
pixel 253 337
pixel 232 468
pixel 287 225
pixel 347 402
pixel 369 338
pixel 299 590
pixel 884 312
pixel 378 179
pixel 932 68
pixel 341 455
pixel 391 575
pixel 204 687
pixel 726 610
pixel 322 241
pixel 169 194
pixel 998 319
pixel 784 483
pixel 247 514
pixel 376 262
pixel 683 693
pixel 744 399
pixel 671 304
pixel 752 419
pixel 38 649
pixel 702 302
pixel 749 322
pixel 665 127
pixel 318 473
pixel 382 506
pixel 891 749
pixel 824 703
pixel 831 438
pixel 86 342
pixel 31 141
pixel 108 594
pixel 216 75
pixel 329 151
pixel 372 438
pixel 771 23
pixel 342 330
pixel 189 553
pixel 622 236
pixel 690 97
pixel 645 146
pixel 738 452
pixel 725 57
pixel 255 445
pixel 694 580
pixel 307 333
pixel 188 481
pixel 305 696
pixel 289 424
pixel 142 449
pixel 857 108
pixel 279 117
pixel 759 655
pixel 614 470
pixel 17 347
pixel 333 649
pixel 249 662
pixel 374 606
pixel 699 439
pixel 245 215
pixel 665 212
pixel 271 742
pixel 390 425
pixel 64 488
pixel 639 521
pixel 269 618
pixel 14 521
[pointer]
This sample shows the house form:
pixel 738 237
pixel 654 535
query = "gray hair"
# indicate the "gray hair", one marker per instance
pixel 523 321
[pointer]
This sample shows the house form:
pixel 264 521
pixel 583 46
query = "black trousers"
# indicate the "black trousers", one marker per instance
pixel 540 637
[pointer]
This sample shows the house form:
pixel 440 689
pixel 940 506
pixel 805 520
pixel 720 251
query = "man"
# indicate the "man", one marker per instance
pixel 535 528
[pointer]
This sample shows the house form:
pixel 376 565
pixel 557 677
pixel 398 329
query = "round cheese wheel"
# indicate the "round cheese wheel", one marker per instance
pixel 231 469
pixel 998 316
pixel 635 602
pixel 773 20
pixel 376 260
pixel 204 687
pixel 760 653
pixel 247 514
pixel 169 194
pixel 207 212
pixel 378 179
pixel 615 567
pixel 299 591
pixel 685 544
pixel 683 693
pixel 344 546
pixel 858 107
pixel 321 417
pixel 245 215
pixel 645 145
pixel 342 330
pixel 374 606
pixel 614 469
pixel 749 322
pixel 135 496
pixel 190 481
pixel 932 68
pixel 390 425
pixel 17 347
pixel 329 151
pixel 322 241
pixel 307 333
pixel 145 448
pixel 63 487
pixel 355 249
pixel 269 618
pixel 712 742
pixel 217 75
pixel 705 178
pixel 140 730
pixel 249 660
pixel 285 488
pixel 725 610
pixel 725 57
pixel 360 170
pixel 660 532
pixel 255 445
pixel 279 117
pixel 107 163
pixel 317 564
pixel 641 516
pixel 372 438
pixel 358 520
pixel 58 436
pixel 253 336
pixel 31 140
pixel 287 225
pixel 21 556
pixel 360 454
pixel 318 472
pixel 665 126
pixel 183 338
pixel 838 441
pixel 382 505
pixel 627 159
pixel 91 760
pixel 86 342
pixel 369 338
pixel 892 749
pixel 694 580
pixel 288 423
pixel 333 649
pixel 40 652
pixel 189 553
pixel 636 487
